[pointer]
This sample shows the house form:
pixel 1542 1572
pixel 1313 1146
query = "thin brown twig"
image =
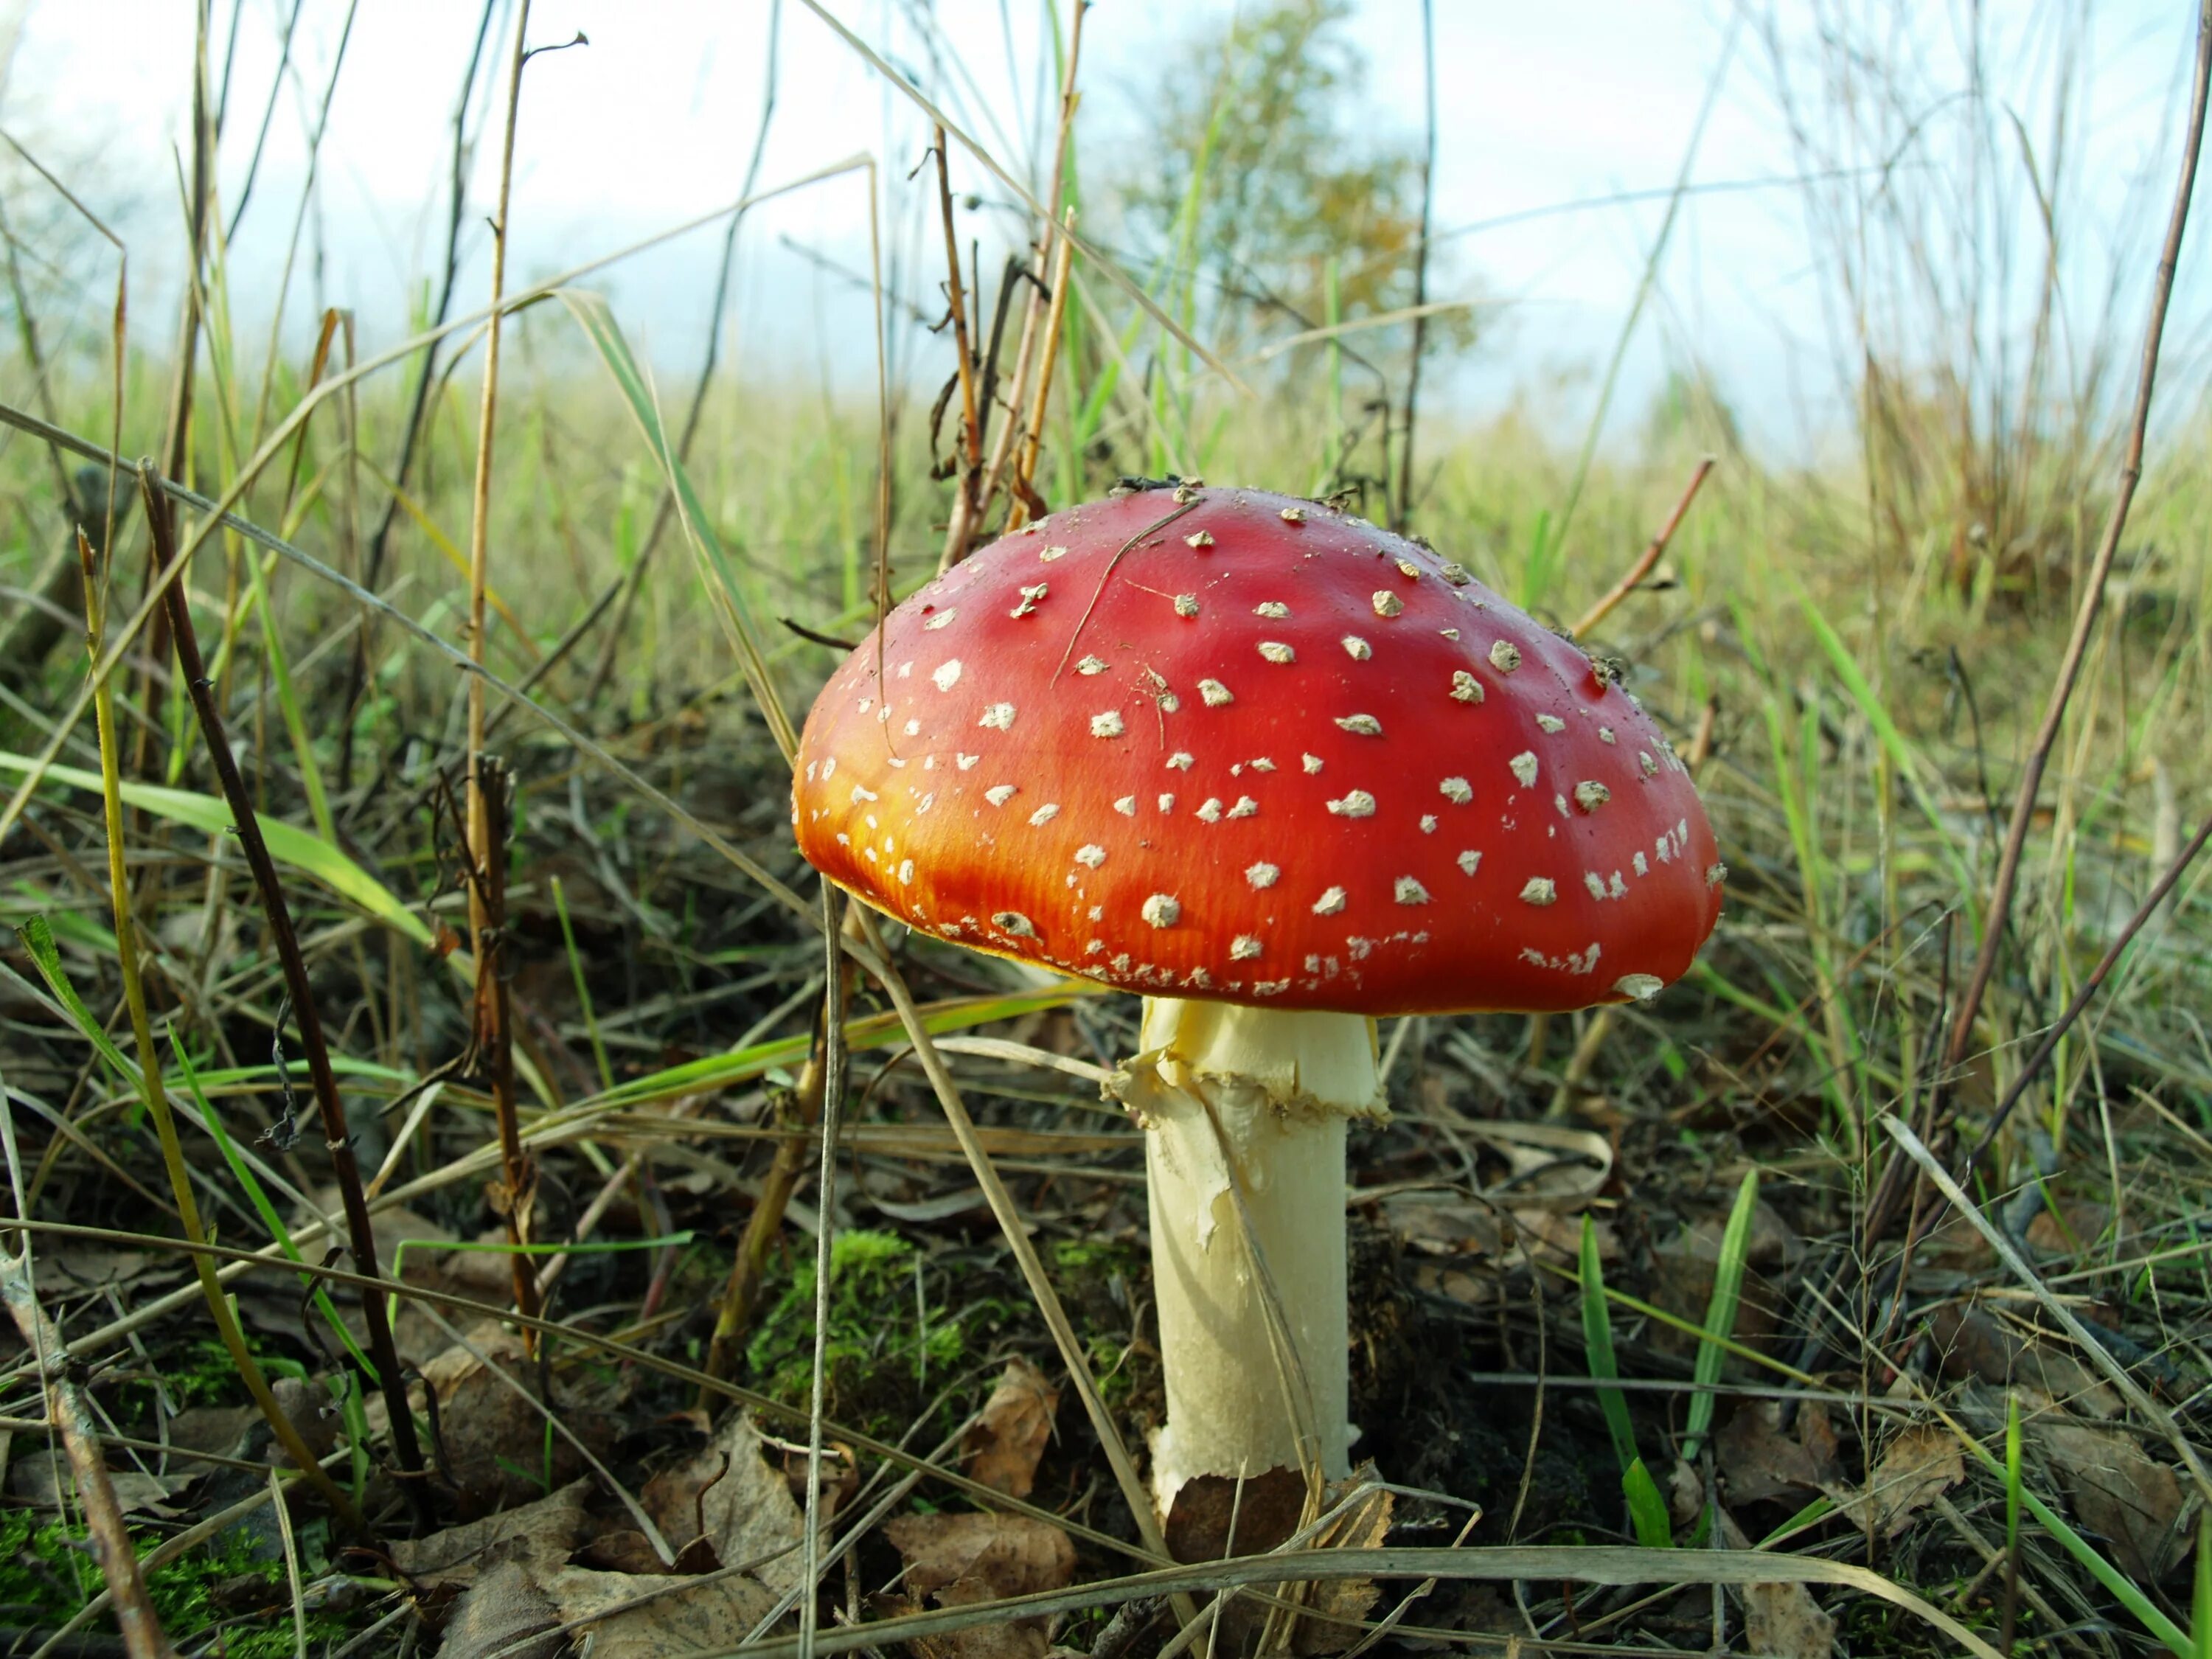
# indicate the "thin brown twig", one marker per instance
pixel 1993 923
pixel 361 1232
pixel 1024 488
pixel 1649 557
pixel 487 852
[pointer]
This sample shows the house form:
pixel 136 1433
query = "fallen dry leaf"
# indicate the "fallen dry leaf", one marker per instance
pixel 628 1616
pixel 1783 1621
pixel 1008 1554
pixel 539 1537
pixel 1913 1469
pixel 962 1560
pixel 500 1613
pixel 1973 1343
pixel 1365 1526
pixel 2118 1491
pixel 728 1494
pixel 1761 1463
pixel 1780 1621
pixel 498 1447
pixel 42 1479
pixel 1005 1442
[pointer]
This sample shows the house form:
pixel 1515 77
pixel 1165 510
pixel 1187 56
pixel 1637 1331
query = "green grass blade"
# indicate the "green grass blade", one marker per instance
pixel 1720 1313
pixel 39 939
pixel 257 1195
pixel 1894 742
pixel 1647 1510
pixel 583 991
pixel 1597 1344
pixel 596 319
pixel 2200 1612
pixel 2123 1589
pixel 288 845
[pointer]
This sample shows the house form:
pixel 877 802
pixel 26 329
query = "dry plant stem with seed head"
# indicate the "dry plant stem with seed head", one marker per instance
pixel 361 1232
pixel 1346 782
pixel 487 851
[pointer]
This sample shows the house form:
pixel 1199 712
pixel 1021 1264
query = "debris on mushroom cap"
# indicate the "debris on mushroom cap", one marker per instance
pixel 1100 779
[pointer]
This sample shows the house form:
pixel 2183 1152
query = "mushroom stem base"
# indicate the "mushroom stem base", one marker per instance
pixel 1246 1111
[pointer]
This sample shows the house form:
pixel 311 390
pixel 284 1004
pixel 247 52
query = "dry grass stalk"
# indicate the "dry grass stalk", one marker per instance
pixel 487 842
pixel 299 993
pixel 105 1528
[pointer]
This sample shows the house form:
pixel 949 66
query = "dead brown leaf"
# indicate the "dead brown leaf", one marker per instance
pixel 729 1494
pixel 1761 1463
pixel 962 1560
pixel 1365 1526
pixel 2118 1491
pixel 1008 1554
pixel 42 1479
pixel 499 1613
pixel 1780 1621
pixel 539 1537
pixel 1974 1343
pixel 498 1448
pixel 632 1617
pixel 1783 1621
pixel 1002 1446
pixel 1914 1469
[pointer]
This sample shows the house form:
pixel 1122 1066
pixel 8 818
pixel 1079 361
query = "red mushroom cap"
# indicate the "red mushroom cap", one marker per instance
pixel 1230 744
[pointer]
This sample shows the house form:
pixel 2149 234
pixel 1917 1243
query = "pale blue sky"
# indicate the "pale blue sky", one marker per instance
pixel 1539 105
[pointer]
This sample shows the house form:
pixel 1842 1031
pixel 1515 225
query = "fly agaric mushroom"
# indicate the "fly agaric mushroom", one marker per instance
pixel 1280 773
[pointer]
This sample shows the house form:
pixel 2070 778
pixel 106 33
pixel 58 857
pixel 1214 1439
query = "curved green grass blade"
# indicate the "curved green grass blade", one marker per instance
pixel 289 844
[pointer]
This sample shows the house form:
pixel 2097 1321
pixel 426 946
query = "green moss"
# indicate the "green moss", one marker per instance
pixel 889 1346
pixel 47 1575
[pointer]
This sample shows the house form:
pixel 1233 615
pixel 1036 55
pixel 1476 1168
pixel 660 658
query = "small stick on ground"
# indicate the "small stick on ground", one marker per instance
pixel 361 1234
pixel 1636 572
pixel 110 1538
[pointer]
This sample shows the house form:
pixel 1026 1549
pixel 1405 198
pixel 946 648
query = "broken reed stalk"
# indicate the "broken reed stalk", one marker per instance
pixel 177 445
pixel 1649 557
pixel 345 1172
pixel 487 807
pixel 105 1531
pixel 1026 500
pixel 798 1112
pixel 1993 923
pixel 149 1060
pixel 955 298
pixel 834 1072
pixel 1015 446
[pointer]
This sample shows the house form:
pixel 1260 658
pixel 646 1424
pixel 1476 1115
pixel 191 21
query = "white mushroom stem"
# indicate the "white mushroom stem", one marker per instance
pixel 1250 1104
